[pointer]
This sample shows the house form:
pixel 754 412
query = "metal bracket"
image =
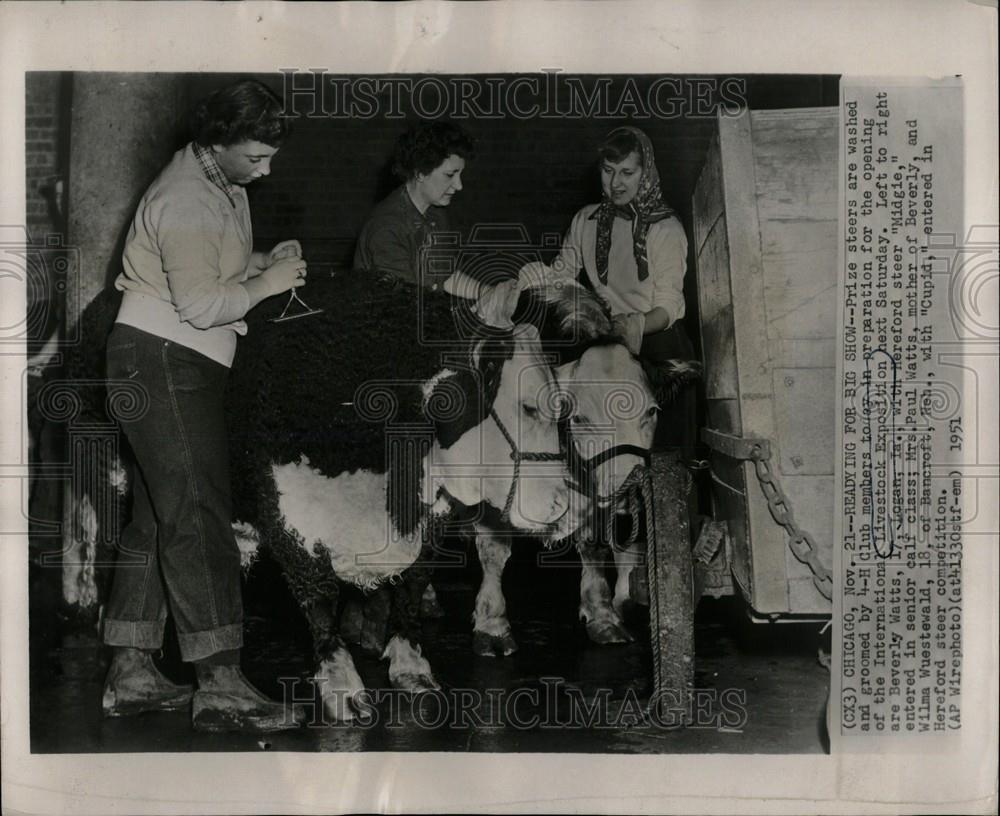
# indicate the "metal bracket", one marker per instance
pixel 735 447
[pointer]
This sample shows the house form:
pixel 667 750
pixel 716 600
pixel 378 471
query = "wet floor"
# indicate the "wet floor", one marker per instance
pixel 760 688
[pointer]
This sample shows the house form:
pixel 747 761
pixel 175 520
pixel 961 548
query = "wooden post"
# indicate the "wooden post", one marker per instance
pixel 671 602
pixel 123 129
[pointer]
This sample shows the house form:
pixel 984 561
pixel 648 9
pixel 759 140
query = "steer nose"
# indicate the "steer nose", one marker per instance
pixel 560 502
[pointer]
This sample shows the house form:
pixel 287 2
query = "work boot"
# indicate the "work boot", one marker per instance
pixel 225 701
pixel 135 685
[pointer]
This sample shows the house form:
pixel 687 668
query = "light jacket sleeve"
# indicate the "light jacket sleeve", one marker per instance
pixel 189 233
pixel 666 250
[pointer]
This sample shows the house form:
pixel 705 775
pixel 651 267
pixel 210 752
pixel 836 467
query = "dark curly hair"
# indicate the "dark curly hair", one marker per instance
pixel 243 112
pixel 425 146
pixel 617 145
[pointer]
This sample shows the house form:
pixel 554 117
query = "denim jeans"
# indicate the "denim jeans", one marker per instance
pixel 178 551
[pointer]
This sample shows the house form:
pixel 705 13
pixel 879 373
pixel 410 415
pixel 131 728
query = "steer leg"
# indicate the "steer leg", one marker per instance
pixel 339 684
pixel 604 624
pixel 317 590
pixel 627 559
pixel 408 668
pixel 491 634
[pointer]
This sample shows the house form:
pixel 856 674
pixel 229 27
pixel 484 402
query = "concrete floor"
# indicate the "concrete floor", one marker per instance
pixel 761 688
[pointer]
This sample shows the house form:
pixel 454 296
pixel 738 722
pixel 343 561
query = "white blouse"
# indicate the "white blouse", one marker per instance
pixel 666 251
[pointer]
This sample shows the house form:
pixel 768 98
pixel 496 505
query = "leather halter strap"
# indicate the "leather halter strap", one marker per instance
pixel 583 469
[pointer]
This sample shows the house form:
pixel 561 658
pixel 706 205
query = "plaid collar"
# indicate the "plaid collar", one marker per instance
pixel 206 158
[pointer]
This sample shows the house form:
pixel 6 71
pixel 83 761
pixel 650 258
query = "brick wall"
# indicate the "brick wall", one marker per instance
pixel 44 150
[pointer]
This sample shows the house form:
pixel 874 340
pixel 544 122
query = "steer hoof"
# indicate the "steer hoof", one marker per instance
pixel 341 688
pixel 408 668
pixel 416 683
pixel 345 707
pixel 607 632
pixel 486 645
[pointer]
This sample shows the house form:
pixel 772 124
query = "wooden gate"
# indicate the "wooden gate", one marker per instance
pixel 765 227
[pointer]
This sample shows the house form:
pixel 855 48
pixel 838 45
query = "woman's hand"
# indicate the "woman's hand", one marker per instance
pixel 461 285
pixel 286 249
pixel 260 262
pixel 496 304
pixel 533 275
pixel 284 274
pixel 630 327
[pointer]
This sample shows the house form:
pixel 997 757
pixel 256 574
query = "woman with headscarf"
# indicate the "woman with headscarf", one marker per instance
pixel 632 247
pixel 632 251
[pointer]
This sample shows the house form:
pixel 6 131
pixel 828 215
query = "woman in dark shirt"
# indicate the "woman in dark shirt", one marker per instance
pixel 429 159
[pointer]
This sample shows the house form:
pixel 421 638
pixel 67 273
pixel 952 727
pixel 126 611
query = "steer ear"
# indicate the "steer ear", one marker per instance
pixel 668 378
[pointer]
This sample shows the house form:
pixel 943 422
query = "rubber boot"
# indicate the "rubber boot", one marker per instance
pixel 226 701
pixel 134 685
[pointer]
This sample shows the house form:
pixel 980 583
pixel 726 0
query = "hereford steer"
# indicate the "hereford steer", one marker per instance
pixel 608 402
pixel 351 442
pixel 356 432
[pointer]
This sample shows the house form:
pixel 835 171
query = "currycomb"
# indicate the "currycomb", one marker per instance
pixel 305 311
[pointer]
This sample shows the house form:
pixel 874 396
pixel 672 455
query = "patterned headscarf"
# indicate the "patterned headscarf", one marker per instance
pixel 645 208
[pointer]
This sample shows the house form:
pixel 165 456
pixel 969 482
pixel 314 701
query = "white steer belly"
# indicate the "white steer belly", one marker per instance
pixel 345 517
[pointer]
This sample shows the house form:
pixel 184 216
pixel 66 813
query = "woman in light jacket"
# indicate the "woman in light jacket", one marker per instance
pixel 190 276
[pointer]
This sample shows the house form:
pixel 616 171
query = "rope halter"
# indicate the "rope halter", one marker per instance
pixel 518 456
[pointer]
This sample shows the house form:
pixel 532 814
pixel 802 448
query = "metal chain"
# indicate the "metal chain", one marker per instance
pixel 801 543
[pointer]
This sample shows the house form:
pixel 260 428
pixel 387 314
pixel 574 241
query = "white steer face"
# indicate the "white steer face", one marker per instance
pixel 609 403
pixel 479 466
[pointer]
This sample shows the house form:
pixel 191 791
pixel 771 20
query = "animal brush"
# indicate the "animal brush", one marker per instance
pixel 305 311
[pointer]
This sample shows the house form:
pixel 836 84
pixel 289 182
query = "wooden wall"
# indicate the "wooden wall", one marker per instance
pixel 765 229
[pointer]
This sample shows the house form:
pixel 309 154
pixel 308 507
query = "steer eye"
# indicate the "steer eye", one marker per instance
pixel 652 411
pixel 530 410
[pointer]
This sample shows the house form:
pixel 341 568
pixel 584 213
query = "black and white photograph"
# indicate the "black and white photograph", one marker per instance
pixel 436 396
pixel 380 410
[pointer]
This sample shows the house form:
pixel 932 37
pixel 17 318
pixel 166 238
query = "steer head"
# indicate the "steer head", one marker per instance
pixel 498 444
pixel 606 398
pixel 610 412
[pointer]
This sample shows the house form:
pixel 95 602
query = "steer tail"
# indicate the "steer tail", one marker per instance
pixel 668 378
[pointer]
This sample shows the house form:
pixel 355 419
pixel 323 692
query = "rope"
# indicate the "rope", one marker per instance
pixel 632 495
pixel 517 457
